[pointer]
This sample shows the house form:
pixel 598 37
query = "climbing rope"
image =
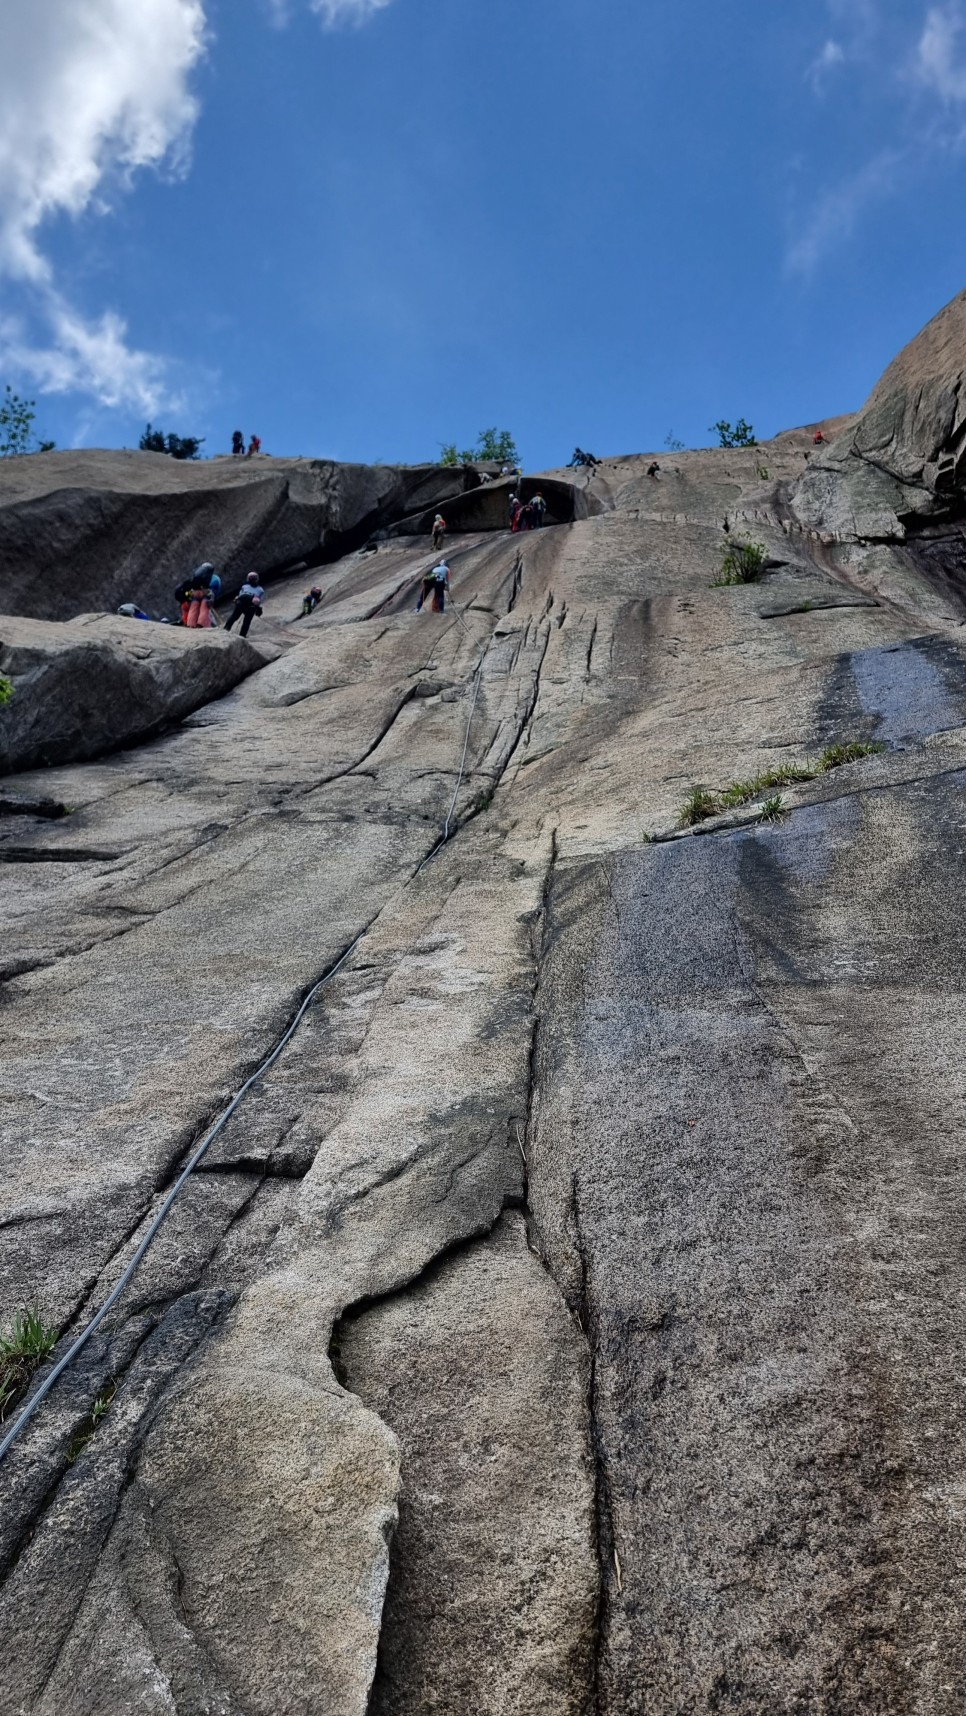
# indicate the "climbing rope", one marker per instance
pixel 77 1346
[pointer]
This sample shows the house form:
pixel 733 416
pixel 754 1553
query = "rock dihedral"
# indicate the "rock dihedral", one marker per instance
pixel 567 1319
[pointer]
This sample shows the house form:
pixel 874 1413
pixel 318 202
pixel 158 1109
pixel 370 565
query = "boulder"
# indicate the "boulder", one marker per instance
pixel 101 681
pixel 84 530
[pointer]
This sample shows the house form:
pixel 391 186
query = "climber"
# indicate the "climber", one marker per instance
pixel 538 507
pixel 196 607
pixel 439 531
pixel 516 507
pixel 653 468
pixel 577 459
pixel 248 603
pixel 310 602
pixel 424 591
pixel 525 521
pixel 818 439
pixel 237 443
pixel 440 587
pixel 254 446
pixel 214 587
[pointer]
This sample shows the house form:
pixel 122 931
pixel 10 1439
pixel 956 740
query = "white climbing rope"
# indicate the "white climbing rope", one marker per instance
pixel 23 1419
pixel 21 1422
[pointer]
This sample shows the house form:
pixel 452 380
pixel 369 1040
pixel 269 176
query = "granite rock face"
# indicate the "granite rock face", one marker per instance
pixel 85 688
pixel 896 473
pixel 567 1319
pixel 90 530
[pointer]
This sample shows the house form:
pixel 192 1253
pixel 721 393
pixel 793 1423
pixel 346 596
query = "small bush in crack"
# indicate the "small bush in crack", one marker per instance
pixel 22 1351
pixel 773 808
pixel 741 563
pixel 6 689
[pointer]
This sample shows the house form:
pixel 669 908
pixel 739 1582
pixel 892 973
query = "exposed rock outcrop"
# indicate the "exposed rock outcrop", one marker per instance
pixel 567 1318
pixel 90 530
pixel 85 688
pixel 897 474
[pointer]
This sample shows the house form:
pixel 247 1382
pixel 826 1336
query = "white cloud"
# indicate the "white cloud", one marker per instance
pixel 831 56
pixel 834 217
pixel 938 66
pixel 88 357
pixel 90 91
pixel 347 11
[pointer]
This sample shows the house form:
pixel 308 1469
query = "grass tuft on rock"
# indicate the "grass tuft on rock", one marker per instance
pixel 741 563
pixel 773 808
pixel 701 802
pixel 22 1351
pixel 698 806
pixel 834 756
pixel 99 1410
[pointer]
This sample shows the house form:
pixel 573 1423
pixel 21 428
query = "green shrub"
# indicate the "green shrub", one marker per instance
pixel 176 446
pixel 17 426
pixel 496 446
pixel 6 689
pixel 741 563
pixel 741 434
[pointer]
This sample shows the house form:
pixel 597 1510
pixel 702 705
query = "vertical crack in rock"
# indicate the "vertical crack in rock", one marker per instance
pixel 63 1538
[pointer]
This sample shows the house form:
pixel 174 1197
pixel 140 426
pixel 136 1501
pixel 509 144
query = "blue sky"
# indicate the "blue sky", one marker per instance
pixel 363 227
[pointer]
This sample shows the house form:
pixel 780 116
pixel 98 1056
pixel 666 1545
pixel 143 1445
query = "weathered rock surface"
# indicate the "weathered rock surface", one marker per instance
pixel 568 1319
pixel 85 688
pixel 90 530
pixel 897 472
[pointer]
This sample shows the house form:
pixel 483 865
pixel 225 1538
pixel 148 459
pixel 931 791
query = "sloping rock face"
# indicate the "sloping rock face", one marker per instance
pixel 90 530
pixel 897 474
pixel 85 688
pixel 567 1318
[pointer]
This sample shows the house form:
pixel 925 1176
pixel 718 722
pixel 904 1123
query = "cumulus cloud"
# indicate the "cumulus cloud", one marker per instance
pixel 91 357
pixel 90 91
pixel 939 67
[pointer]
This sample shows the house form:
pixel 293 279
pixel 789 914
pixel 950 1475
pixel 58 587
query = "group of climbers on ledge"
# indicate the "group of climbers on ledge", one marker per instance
pixel 238 445
pixel 197 596
pixel 527 515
